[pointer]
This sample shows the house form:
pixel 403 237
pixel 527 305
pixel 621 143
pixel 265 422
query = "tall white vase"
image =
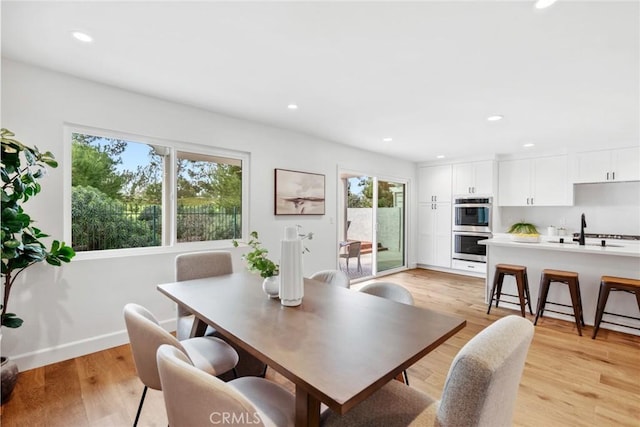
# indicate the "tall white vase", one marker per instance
pixel 291 279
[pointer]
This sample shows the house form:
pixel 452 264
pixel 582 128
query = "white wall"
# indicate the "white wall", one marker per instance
pixel 609 208
pixel 77 309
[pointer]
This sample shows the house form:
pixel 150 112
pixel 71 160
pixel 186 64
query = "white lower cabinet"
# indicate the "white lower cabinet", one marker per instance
pixel 434 229
pixel 474 267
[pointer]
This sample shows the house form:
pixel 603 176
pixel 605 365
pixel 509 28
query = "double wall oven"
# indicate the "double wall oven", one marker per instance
pixel 471 224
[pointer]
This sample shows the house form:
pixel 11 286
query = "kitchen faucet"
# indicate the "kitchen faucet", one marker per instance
pixel 583 224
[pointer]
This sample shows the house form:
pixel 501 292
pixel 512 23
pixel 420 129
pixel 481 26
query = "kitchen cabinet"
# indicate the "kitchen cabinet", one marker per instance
pixel 434 229
pixel 621 164
pixel 542 181
pixel 475 178
pixel 434 184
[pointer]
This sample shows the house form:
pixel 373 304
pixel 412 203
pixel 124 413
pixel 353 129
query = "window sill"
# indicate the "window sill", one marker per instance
pixel 154 250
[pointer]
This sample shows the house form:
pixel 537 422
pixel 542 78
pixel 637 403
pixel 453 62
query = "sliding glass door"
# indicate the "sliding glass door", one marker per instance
pixel 372 227
pixel 390 225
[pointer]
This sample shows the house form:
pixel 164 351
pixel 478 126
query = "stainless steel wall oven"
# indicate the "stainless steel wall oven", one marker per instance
pixel 466 247
pixel 472 214
pixel 472 219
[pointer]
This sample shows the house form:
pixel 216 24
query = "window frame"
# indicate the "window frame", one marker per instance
pixel 169 243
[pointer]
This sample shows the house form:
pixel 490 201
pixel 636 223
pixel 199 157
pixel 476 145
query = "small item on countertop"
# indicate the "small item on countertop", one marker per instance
pixel 562 231
pixel 552 230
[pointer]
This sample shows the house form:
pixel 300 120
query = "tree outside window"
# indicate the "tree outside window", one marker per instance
pixel 117 190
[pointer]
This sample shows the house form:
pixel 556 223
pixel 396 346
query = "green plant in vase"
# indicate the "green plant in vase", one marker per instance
pixel 22 167
pixel 523 228
pixel 257 261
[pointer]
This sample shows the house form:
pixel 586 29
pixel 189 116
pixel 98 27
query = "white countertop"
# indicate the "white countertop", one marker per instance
pixel 616 248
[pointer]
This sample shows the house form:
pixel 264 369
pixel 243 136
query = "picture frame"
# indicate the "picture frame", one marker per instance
pixel 299 193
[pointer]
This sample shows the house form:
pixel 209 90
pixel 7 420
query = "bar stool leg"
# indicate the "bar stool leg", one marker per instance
pixel 574 290
pixel 520 284
pixel 542 298
pixel 526 288
pixel 493 291
pixel 580 301
pixel 603 295
pixel 499 289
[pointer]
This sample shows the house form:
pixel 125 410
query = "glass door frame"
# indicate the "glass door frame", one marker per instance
pixel 341 231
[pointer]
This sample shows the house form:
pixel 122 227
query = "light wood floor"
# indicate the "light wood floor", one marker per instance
pixel 568 380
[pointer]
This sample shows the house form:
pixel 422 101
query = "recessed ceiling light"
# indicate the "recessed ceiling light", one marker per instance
pixel 292 106
pixel 542 4
pixel 527 145
pixel 440 156
pixel 387 139
pixel 83 37
pixel 495 118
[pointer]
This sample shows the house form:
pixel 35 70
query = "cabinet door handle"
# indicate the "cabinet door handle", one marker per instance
pixel 527 200
pixel 532 200
pixel 613 176
pixel 435 198
pixel 474 190
pixel 607 176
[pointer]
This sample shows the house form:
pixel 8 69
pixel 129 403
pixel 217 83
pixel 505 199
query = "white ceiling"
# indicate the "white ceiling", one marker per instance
pixel 427 74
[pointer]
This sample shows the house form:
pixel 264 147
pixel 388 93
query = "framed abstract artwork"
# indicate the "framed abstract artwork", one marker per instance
pixel 298 193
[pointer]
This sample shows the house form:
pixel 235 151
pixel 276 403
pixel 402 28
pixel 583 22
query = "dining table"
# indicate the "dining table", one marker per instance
pixel 338 347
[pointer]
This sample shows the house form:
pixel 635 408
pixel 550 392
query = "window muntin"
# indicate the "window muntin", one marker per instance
pixel 122 187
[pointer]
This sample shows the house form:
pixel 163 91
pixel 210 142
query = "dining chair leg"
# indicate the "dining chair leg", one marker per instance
pixel 144 393
pixel 405 377
pixel 235 373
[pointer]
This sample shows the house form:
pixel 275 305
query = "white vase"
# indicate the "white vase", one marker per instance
pixel 291 280
pixel 271 286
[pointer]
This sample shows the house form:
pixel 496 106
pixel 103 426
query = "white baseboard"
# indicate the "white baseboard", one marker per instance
pixel 47 356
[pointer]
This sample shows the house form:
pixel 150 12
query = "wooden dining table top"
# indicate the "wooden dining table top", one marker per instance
pixel 338 347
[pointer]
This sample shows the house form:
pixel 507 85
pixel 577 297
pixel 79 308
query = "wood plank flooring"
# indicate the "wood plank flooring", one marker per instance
pixel 568 380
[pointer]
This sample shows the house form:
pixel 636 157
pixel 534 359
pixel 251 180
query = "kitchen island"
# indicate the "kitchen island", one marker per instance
pixel 591 261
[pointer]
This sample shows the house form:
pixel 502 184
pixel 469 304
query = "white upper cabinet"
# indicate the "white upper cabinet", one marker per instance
pixel 541 181
pixel 434 184
pixel 608 165
pixel 475 178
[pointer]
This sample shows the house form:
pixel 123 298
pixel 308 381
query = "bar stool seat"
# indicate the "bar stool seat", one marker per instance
pixel 522 282
pixel 570 279
pixel 608 284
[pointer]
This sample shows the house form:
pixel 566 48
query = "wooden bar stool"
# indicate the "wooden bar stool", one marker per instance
pixel 608 284
pixel 568 278
pixel 520 274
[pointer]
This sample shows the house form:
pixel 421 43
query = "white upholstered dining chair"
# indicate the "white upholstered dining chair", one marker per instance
pixel 388 290
pixel 393 292
pixel 198 265
pixel 332 277
pixel 193 398
pixel 210 355
pixel 480 389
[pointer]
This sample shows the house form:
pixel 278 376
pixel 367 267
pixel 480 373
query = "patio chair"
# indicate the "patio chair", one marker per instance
pixel 352 251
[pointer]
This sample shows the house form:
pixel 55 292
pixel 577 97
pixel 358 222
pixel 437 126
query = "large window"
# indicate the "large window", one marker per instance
pixel 122 193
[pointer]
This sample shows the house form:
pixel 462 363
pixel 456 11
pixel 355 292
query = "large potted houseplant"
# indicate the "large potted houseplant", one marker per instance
pixel 22 167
